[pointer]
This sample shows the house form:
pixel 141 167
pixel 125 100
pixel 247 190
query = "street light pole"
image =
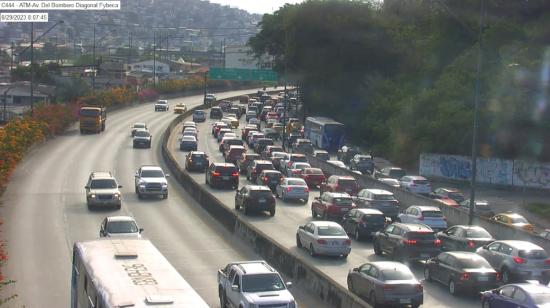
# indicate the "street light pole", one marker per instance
pixel 32 68
pixel 94 64
pixel 154 58
pixel 476 118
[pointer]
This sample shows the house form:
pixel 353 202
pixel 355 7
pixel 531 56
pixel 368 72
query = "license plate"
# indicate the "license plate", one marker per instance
pixel 424 255
pixel 483 278
pixel 344 210
pixel 334 243
pixel 225 177
pixel 261 200
pixel 404 300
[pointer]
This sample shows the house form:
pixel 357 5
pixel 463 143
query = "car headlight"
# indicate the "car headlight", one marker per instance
pixel 92 196
pixel 164 184
pixel 142 185
pixel 117 196
pixel 292 304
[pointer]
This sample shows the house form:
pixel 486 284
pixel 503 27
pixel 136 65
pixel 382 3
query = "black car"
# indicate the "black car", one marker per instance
pixel 216 113
pixel 269 178
pixel 222 175
pixel 255 198
pixel 461 271
pixel 261 143
pixel 257 167
pixel 196 161
pixel 407 242
pixel 291 139
pixel 362 223
pixel 246 160
pixel 464 238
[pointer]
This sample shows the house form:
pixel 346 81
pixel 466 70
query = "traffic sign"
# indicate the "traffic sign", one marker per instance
pixel 217 73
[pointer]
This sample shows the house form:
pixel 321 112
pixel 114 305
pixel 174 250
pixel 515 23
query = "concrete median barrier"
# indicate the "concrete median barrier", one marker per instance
pixel 292 265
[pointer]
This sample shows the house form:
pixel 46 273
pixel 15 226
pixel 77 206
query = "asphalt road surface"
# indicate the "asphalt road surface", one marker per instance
pixel 45 212
pixel 290 215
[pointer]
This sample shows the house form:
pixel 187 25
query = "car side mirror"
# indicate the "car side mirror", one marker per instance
pixel 495 291
pixel 167 175
pixel 119 186
pixel 235 288
pixel 485 247
pixel 356 269
pixel 301 227
pixel 136 175
pixel 288 284
pixel 87 187
pixel 140 230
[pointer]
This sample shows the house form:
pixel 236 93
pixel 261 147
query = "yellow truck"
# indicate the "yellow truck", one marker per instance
pixel 92 119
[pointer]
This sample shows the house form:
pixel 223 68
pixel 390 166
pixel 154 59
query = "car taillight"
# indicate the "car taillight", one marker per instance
pixel 497 276
pixel 215 173
pixel 235 173
pixel 464 276
pixel 266 179
pixel 347 242
pixel 388 287
pixel 471 244
pixel 419 288
pixel 437 242
pixel 519 260
pixel 288 189
pixel 322 242
pixel 547 261
pixel 409 242
pixel 254 170
pixel 306 189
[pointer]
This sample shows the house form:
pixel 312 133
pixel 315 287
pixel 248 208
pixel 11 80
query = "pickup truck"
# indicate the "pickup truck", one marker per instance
pixel 253 284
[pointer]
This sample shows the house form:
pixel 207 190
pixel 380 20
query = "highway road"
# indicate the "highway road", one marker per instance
pixel 45 212
pixel 290 215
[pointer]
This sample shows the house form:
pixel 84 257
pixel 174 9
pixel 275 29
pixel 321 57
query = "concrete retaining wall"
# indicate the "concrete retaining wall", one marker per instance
pixel 299 270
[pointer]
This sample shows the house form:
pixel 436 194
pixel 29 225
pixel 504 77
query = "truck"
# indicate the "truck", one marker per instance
pixel 92 119
pixel 250 284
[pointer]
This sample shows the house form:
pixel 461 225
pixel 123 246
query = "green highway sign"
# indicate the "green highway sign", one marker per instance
pixel 217 73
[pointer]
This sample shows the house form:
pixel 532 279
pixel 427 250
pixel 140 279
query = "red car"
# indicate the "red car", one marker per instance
pixel 340 183
pixel 331 205
pixel 272 115
pixel 313 176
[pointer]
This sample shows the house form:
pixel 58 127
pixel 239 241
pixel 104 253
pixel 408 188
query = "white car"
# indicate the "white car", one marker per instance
pixel 337 163
pixel 138 126
pixel 430 216
pixel 297 168
pixel 416 184
pixel 119 226
pixel 151 180
pixel 391 182
pixel 161 105
pixel 323 238
pixel 292 188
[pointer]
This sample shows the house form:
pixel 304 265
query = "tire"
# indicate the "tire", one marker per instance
pixel 306 201
pixel 118 206
pixel 345 256
pixel 350 285
pixel 272 212
pixel 453 288
pixel 325 215
pixel 313 214
pixel 237 206
pixel 246 210
pixel 165 196
pixel 485 304
pixel 372 299
pixel 377 250
pixel 140 196
pixel 427 274
pixel 506 277
pixel 298 242
pixel 357 235
pixel 312 251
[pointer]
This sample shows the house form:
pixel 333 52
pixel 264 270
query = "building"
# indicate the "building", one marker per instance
pixel 147 67
pixel 240 56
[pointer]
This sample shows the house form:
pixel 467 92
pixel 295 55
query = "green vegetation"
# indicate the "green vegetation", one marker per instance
pixel 540 209
pixel 401 74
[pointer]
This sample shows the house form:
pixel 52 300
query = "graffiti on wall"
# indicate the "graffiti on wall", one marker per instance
pixel 529 174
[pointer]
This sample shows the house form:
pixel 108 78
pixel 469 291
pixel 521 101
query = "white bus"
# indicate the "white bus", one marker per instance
pixel 117 273
pixel 324 133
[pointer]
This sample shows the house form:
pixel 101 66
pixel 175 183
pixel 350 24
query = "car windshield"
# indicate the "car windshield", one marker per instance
pixel 538 254
pixel 541 298
pixel 199 113
pixel 301 159
pixel 519 220
pixel 103 184
pixel 396 274
pixel 420 182
pixel 458 197
pixel 373 218
pixel 142 133
pixel 296 183
pixel 473 261
pixel 477 233
pixel 432 214
pixel 122 227
pixel 384 197
pixel 152 174
pixel 262 283
pixel 89 112
pixel 141 125
pixel 330 231
pixel 261 193
pixel 342 201
pixel 198 157
pixel 347 183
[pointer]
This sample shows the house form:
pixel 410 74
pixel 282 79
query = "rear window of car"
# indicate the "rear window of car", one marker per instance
pixel 261 193
pixel 537 254
pixel 432 214
pixel 427 235
pixel 296 182
pixel 299 159
pixel 226 170
pixel 199 112
pixel 396 275
pixel 477 233
pixel 473 262
pixel 342 201
pixel 383 197
pixel 397 173
pixel 198 157
pixel 313 171
pixel 236 151
pixel 330 231
pixel 347 182
pixel 373 218
pixel 420 182
pixel 142 134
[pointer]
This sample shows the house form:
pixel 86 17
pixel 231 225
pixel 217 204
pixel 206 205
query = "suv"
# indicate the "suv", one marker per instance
pixel 253 284
pixel 216 113
pixel 222 174
pixel 321 154
pixel 331 205
pixel 363 222
pixel 245 161
pixel 517 260
pixel 379 199
pixel 196 161
pixel 302 146
pixel 199 116
pixel 340 183
pixel 138 126
pixel 255 198
pixel 421 214
pixel 292 158
pixel 256 168
pixel 390 172
pixel 119 226
pixel 102 189
pixel 261 143
pixel 161 105
pixel 151 180
pixel 362 163
pixel 142 138
pixel 234 153
pixel 407 242
pixel 416 184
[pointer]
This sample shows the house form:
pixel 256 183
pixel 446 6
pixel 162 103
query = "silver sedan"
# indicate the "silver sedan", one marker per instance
pixel 323 238
pixel 292 188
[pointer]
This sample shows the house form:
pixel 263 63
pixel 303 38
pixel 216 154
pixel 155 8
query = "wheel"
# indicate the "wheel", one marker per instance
pixel 140 196
pixel 237 206
pixel 312 251
pixel 313 214
pixel 345 256
pixel 325 215
pixel 306 201
pixel 118 206
pixel 506 276
pixel 485 304
pixel 298 242
pixel 376 247
pixel 350 285
pixel 246 210
pixel 272 212
pixel 357 235
pixel 452 287
pixel 372 299
pixel 427 274
pixel 165 196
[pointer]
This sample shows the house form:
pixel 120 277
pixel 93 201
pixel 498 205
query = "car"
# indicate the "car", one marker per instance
pixel 216 127
pixel 231 121
pixel 250 114
pixel 272 115
pixel 313 176
pixel 199 116
pixel 390 182
pixel 331 205
pixel 291 138
pixel 188 143
pixel 180 108
pixel 362 223
pixel 323 238
pixel 271 133
pixel 362 163
pixel 255 198
pixel 292 158
pixel 233 153
pixel 161 105
pixel 297 168
pixel 524 295
pixel 461 271
pixel 464 238
pixel 302 145
pixel 321 154
pixel 481 208
pixel 278 128
pixel 514 220
pixel 228 141
pixel 142 138
pixel 216 113
pixel 261 143
pixel 340 183
pixel 416 184
pixel 188 124
pixel 337 163
pixel 444 193
pixel 235 111
pixel 209 99
pixel 225 105
pixel 379 199
pixel 102 189
pixel 243 99
pixel 264 112
pixel 196 161
pixel 151 180
pixel 407 242
pixel 292 189
pixel 221 132
pixel 255 121
pixel 120 226
pixel 253 284
pixel 222 175
pixel 545 234
pixel 277 157
pixel 516 260
pixel 430 216
pixel 270 178
pixel 138 126
pixel 256 167
pixel 386 283
pixel 390 173
pixel 253 137
pixel 245 161
pixel 190 131
pixel 247 129
pixel 266 153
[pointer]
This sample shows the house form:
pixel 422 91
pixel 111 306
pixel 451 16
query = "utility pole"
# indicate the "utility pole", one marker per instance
pixel 129 46
pixel 154 58
pixel 205 82
pixel 94 65
pixel 11 60
pixel 32 68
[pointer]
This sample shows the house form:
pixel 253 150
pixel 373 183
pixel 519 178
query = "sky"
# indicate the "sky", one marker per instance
pixel 256 6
